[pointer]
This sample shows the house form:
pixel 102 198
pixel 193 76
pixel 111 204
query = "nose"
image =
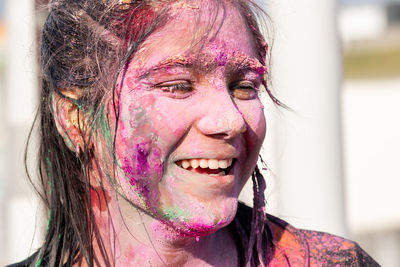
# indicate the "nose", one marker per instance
pixel 222 118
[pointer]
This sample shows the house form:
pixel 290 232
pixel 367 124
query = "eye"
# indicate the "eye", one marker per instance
pixel 244 90
pixel 176 89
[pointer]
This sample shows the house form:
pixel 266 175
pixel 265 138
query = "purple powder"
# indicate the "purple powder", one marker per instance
pixel 158 166
pixel 142 164
pixel 128 170
pixel 261 70
pixel 221 59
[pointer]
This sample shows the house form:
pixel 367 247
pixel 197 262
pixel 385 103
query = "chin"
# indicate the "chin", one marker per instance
pixel 206 219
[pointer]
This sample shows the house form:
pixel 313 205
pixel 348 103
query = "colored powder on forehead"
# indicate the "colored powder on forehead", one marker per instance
pixel 221 59
pixel 241 59
pixel 176 8
pixel 261 70
pixel 207 61
pixel 167 63
pixel 182 60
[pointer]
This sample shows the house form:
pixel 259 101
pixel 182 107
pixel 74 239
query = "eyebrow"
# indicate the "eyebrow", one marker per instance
pixel 204 60
pixel 248 63
pixel 177 61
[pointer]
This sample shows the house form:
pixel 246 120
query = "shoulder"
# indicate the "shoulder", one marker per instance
pixel 298 247
pixel 317 248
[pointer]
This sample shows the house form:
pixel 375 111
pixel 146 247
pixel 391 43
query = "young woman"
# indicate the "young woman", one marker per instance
pixel 150 127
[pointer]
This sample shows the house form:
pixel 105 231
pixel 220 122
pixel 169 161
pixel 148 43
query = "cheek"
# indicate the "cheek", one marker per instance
pixel 148 130
pixel 172 120
pixel 253 114
pixel 139 157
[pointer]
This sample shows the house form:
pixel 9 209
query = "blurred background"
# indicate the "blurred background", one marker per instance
pixel 334 161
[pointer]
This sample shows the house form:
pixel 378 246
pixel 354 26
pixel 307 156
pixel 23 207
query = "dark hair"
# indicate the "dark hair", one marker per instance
pixel 78 35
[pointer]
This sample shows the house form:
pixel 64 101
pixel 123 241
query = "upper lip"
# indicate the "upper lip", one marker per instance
pixel 217 157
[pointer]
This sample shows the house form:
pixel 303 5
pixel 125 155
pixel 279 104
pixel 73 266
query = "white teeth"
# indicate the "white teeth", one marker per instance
pixel 213 164
pixel 223 164
pixel 194 163
pixel 205 163
pixel 185 164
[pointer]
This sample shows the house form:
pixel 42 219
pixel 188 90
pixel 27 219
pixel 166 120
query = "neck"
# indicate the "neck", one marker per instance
pixel 131 237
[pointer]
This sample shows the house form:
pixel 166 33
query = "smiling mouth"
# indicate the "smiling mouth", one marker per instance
pixel 213 167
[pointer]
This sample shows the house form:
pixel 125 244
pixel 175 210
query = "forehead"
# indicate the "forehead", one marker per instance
pixel 211 28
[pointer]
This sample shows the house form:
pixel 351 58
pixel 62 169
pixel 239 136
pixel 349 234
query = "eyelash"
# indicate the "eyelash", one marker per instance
pixel 242 90
pixel 179 89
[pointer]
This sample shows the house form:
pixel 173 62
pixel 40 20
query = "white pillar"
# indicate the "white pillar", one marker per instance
pixel 21 73
pixel 305 146
pixel 20 99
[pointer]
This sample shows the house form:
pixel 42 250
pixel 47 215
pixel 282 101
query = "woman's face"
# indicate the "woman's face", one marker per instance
pixel 190 121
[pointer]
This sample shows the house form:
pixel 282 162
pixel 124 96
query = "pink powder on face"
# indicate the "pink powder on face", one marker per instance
pixel 184 229
pixel 191 229
pixel 221 59
pixel 207 61
pixel 142 153
pixel 138 173
pixel 155 126
pixel 197 229
pixel 155 159
pixel 141 186
pixel 143 167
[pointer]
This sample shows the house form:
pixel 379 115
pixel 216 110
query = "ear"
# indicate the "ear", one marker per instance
pixel 69 119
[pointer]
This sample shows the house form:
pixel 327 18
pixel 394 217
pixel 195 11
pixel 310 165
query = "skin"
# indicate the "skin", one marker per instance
pixel 178 101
